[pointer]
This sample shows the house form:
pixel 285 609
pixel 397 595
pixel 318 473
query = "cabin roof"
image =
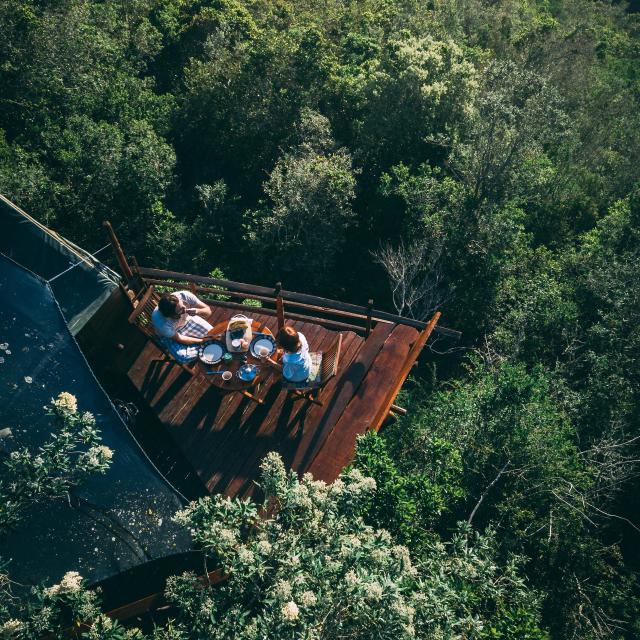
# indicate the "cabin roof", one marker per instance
pixel 112 522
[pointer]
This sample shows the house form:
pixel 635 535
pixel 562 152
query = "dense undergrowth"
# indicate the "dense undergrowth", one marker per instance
pixel 479 157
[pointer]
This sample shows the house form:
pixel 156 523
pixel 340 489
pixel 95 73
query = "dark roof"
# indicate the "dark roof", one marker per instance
pixel 118 520
pixel 78 280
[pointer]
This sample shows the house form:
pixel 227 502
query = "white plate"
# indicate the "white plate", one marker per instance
pixel 212 353
pixel 262 342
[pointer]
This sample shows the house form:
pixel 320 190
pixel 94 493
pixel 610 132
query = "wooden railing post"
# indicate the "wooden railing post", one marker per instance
pixel 396 385
pixel 279 306
pixel 135 267
pixel 367 329
pixel 127 274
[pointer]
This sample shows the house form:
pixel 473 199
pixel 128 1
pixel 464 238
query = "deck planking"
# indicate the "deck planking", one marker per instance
pixel 225 436
pixel 363 407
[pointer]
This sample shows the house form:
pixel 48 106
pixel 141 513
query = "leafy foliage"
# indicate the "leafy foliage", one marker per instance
pixel 71 455
pixel 479 157
pixel 313 569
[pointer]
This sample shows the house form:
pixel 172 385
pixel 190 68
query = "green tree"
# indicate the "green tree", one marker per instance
pixel 311 190
pixel 527 473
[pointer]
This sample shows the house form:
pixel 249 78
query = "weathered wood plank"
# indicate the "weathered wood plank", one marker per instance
pixel 339 447
pixel 344 388
pixel 412 356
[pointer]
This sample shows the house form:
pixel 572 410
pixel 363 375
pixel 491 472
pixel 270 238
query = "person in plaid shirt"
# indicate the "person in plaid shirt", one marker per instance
pixel 179 321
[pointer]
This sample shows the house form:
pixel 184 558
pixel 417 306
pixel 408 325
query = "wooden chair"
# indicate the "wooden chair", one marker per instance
pixel 324 366
pixel 144 306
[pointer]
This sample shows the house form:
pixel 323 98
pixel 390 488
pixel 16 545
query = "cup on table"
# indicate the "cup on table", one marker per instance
pixel 263 352
pixel 226 375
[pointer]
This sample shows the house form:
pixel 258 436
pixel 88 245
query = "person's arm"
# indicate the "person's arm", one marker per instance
pixel 274 363
pixel 187 339
pixel 203 310
pixel 197 307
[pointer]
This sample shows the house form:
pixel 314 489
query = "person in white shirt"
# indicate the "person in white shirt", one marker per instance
pixel 180 322
pixel 296 361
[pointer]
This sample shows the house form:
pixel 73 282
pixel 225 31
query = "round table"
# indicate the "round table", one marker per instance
pixel 238 359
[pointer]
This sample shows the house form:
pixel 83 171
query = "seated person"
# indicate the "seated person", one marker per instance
pixel 296 361
pixel 179 321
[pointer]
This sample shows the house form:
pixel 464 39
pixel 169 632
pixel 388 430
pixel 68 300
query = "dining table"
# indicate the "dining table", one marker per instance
pixel 233 361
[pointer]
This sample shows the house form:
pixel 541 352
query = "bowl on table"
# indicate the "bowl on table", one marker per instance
pixel 247 372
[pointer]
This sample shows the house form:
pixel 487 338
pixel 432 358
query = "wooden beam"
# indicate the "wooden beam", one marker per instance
pixel 323 322
pixel 404 372
pixel 127 274
pixel 216 282
pixel 367 328
pixel 280 312
pixel 293 296
pixel 268 299
pixel 394 408
pixel 143 605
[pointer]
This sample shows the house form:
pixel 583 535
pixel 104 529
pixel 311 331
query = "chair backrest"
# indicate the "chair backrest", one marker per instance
pixel 330 361
pixel 141 315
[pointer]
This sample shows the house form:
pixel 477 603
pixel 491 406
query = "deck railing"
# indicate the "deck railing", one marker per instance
pixel 299 306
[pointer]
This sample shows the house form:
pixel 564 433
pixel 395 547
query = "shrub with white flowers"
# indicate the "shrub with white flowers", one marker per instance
pixel 28 477
pixel 56 611
pixel 310 568
pixel 304 565
pixel 71 454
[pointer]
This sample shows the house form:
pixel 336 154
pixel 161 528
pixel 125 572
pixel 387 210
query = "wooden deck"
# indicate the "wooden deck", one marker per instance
pixel 225 436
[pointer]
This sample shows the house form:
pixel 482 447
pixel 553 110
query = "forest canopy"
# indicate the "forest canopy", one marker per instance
pixel 477 157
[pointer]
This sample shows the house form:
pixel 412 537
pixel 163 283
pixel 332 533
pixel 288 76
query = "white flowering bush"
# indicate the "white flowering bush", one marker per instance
pixel 64 609
pixel 304 565
pixel 310 568
pixel 72 453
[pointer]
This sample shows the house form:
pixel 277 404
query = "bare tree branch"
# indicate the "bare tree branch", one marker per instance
pixel 415 276
pixel 486 491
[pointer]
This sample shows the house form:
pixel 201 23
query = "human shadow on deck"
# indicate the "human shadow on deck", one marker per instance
pixel 154 376
pixel 286 427
pixel 204 411
pixel 241 445
pixel 280 440
pixel 331 414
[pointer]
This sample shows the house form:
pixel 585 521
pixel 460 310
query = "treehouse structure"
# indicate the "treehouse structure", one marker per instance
pixel 223 437
pixel 66 325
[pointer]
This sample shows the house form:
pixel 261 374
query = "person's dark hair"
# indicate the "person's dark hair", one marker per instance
pixel 288 339
pixel 167 305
